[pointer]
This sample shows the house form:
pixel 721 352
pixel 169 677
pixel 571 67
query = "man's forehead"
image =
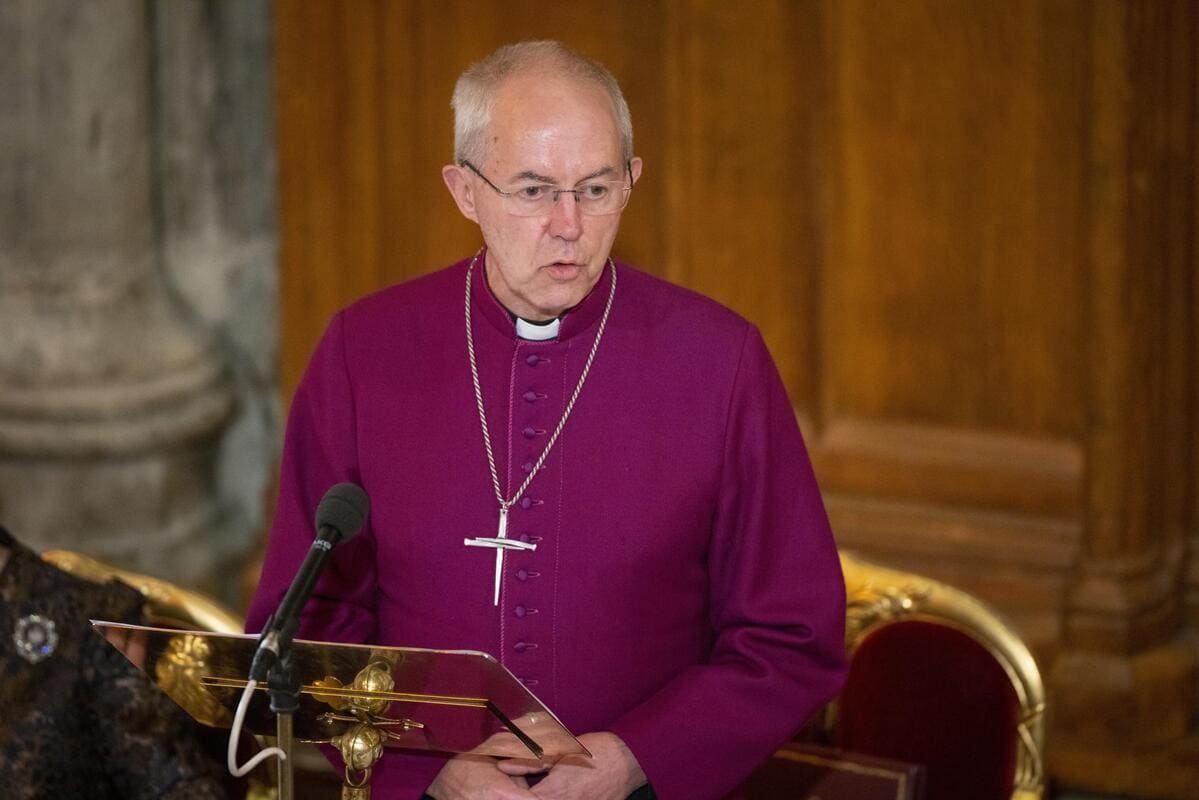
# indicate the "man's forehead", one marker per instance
pixel 536 82
pixel 526 104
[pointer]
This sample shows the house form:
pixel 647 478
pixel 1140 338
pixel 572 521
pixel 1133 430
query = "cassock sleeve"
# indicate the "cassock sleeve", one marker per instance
pixel 320 449
pixel 777 607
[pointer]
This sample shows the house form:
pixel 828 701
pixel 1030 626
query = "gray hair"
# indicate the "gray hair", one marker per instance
pixel 474 94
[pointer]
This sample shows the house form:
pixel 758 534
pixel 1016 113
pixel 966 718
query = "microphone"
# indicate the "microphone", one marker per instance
pixel 339 516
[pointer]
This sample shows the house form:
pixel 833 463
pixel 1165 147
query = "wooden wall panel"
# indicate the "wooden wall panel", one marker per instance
pixel 967 231
pixel 327 69
pixel 953 390
pixel 957 238
pixel 1189 441
pixel 741 136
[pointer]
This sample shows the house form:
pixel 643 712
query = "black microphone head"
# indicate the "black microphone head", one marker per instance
pixel 344 508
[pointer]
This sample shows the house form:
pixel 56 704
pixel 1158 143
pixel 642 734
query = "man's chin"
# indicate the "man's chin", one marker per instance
pixel 554 304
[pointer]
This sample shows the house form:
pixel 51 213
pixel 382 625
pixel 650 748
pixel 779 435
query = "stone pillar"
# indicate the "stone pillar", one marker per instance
pixel 215 185
pixel 112 401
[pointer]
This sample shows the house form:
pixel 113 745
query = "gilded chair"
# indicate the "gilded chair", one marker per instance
pixel 937 678
pixel 167 605
pixel 943 701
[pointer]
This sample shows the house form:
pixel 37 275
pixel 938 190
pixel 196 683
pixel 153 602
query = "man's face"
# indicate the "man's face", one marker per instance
pixel 544 129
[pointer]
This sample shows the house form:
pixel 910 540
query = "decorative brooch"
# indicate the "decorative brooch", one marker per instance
pixel 35 637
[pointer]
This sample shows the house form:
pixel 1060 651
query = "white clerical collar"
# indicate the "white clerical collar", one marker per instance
pixel 537 332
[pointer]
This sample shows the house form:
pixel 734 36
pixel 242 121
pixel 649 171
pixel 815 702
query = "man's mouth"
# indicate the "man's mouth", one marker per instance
pixel 564 269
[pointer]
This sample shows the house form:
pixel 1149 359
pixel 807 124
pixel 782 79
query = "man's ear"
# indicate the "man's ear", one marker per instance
pixel 635 168
pixel 461 189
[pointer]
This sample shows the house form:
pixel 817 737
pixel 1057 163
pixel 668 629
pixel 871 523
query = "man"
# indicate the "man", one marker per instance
pixel 669 585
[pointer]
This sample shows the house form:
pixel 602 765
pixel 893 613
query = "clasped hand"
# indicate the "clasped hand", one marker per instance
pixel 612 773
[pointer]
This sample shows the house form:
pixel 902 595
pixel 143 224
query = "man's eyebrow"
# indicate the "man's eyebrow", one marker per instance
pixel 608 170
pixel 530 175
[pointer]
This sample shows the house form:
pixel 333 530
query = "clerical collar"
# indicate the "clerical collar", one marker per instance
pixel 537 331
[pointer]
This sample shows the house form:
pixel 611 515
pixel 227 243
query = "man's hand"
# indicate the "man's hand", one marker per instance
pixel 467 777
pixel 611 774
pixel 524 766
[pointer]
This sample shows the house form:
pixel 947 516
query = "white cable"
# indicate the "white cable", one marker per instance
pixel 235 734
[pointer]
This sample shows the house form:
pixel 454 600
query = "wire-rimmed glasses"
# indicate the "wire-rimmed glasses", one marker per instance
pixel 532 198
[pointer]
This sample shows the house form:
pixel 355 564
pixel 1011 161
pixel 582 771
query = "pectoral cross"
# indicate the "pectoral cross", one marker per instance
pixel 500 542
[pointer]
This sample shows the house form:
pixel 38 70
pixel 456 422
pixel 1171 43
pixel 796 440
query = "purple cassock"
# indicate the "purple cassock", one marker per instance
pixel 685 592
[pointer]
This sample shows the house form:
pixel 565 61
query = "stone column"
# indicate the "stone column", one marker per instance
pixel 215 186
pixel 111 401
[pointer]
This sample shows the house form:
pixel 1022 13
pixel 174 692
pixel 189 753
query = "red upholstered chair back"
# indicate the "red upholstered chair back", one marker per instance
pixel 937 678
pixel 924 692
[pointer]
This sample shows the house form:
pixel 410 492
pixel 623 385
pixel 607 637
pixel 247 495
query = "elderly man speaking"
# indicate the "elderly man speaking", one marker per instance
pixel 676 596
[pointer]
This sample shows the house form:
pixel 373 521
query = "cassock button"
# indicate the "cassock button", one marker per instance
pixel 526 574
pixel 529 433
pixel 532 397
pixel 527 466
pixel 523 612
pixel 533 360
pixel 526 503
pixel 520 647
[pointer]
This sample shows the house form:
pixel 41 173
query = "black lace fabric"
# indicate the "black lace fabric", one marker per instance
pixel 82 722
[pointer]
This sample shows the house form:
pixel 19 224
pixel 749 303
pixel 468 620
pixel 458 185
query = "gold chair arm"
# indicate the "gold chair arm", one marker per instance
pixel 165 602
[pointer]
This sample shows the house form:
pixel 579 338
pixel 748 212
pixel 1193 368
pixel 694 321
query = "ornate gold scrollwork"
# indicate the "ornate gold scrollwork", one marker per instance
pixel 179 671
pixel 870 605
pixel 1030 767
pixel 361 745
pixel 374 677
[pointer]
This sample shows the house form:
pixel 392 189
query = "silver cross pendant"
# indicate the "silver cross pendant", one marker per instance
pixel 500 542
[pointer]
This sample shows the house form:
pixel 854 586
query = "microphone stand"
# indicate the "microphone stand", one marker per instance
pixel 285 700
pixel 339 515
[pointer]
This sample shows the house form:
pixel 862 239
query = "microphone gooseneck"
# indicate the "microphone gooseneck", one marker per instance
pixel 339 516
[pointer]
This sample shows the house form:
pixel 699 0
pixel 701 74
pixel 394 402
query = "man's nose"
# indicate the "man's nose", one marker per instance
pixel 566 218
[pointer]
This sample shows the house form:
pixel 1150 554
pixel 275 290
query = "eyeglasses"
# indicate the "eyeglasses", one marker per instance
pixel 536 199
